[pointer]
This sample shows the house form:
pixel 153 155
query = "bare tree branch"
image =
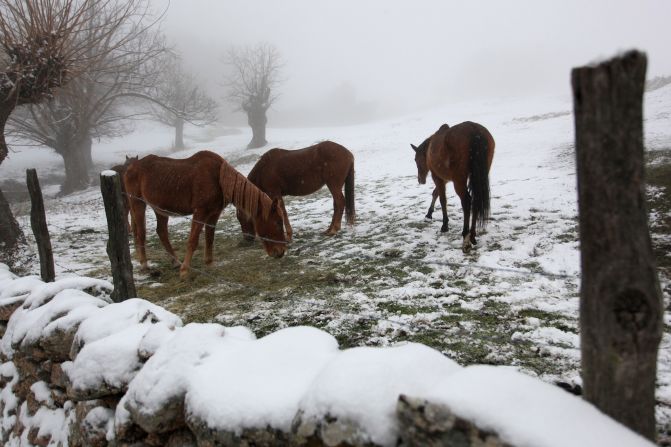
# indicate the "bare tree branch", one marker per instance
pixel 94 103
pixel 42 45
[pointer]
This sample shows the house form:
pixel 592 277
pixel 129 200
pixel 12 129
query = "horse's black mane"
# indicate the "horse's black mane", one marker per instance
pixel 425 144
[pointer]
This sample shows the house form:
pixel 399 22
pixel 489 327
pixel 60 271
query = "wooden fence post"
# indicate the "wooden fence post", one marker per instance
pixel 620 298
pixel 117 245
pixel 38 221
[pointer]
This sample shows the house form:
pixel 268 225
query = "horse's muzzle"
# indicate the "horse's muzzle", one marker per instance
pixel 277 253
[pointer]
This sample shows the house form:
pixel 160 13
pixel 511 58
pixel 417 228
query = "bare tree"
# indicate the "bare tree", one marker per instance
pixel 186 100
pixel 40 50
pixel 93 104
pixel 252 85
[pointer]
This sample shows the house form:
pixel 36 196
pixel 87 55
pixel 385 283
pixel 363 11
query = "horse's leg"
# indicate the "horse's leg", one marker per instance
pixel 461 189
pixel 338 208
pixel 209 236
pixel 196 227
pixel 440 186
pixel 473 241
pixel 162 231
pixel 285 217
pixel 138 219
pixel 434 196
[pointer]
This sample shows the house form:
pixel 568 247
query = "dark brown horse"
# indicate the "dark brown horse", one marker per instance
pixel 280 172
pixel 462 154
pixel 196 185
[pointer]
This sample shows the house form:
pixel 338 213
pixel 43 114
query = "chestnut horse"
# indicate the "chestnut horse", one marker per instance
pixel 462 154
pixel 196 185
pixel 281 172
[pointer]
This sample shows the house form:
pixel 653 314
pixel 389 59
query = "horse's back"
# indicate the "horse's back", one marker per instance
pixel 301 171
pixel 450 148
pixel 469 129
pixel 324 150
pixel 176 185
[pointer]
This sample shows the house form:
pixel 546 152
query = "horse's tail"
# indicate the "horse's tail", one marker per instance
pixel 478 182
pixel 350 212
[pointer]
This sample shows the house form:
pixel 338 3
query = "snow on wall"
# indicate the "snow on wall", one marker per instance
pixel 130 371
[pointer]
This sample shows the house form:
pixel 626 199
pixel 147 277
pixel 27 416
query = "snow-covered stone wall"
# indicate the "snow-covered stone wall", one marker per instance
pixel 79 370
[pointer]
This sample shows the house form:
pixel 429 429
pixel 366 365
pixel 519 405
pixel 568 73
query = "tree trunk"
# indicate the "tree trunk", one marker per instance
pixel 620 298
pixel 5 111
pixel 179 133
pixel 75 158
pixel 256 117
pixel 12 240
pixel 88 153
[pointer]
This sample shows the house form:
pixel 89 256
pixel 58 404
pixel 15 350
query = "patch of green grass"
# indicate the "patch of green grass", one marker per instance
pixel 548 319
pixel 658 174
pixel 395 307
pixel 570 235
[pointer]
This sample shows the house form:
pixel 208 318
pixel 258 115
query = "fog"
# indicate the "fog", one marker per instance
pixel 353 60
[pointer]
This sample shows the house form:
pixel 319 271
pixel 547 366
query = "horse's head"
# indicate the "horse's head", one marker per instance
pixel 246 225
pixel 271 230
pixel 420 161
pixel 130 160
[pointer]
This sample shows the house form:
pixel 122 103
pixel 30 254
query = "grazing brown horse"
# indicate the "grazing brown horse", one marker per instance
pixel 121 170
pixel 280 172
pixel 462 154
pixel 195 185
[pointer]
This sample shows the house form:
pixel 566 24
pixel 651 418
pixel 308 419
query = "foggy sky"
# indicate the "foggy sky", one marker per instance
pixel 383 57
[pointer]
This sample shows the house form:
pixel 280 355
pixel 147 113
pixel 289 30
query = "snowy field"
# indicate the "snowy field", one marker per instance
pixel 393 277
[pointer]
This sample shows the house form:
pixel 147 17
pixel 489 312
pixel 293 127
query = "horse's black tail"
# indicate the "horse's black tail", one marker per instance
pixel 478 182
pixel 350 212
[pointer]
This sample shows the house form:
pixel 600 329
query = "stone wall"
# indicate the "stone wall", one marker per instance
pixel 46 330
pixel 79 370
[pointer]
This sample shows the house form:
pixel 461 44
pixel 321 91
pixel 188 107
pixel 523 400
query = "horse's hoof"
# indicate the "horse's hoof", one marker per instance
pixel 466 245
pixel 443 229
pixel 183 274
pixel 427 217
pixel 330 232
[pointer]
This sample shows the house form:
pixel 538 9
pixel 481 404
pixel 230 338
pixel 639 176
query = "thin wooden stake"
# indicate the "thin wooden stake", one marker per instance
pixel 117 245
pixel 620 298
pixel 38 221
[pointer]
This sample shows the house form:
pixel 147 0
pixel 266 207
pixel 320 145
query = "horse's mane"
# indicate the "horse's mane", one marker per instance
pixel 425 144
pixel 243 193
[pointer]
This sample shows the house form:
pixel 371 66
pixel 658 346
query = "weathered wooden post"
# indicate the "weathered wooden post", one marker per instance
pixel 38 221
pixel 620 298
pixel 117 245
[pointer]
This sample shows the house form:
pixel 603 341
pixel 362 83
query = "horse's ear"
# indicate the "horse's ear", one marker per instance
pixel 414 148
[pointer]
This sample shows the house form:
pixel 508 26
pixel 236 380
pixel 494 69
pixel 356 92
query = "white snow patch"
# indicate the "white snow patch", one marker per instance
pixel 258 383
pixel 527 412
pixel 362 385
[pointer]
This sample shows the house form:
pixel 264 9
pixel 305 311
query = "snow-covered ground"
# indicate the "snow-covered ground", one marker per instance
pixel 394 276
